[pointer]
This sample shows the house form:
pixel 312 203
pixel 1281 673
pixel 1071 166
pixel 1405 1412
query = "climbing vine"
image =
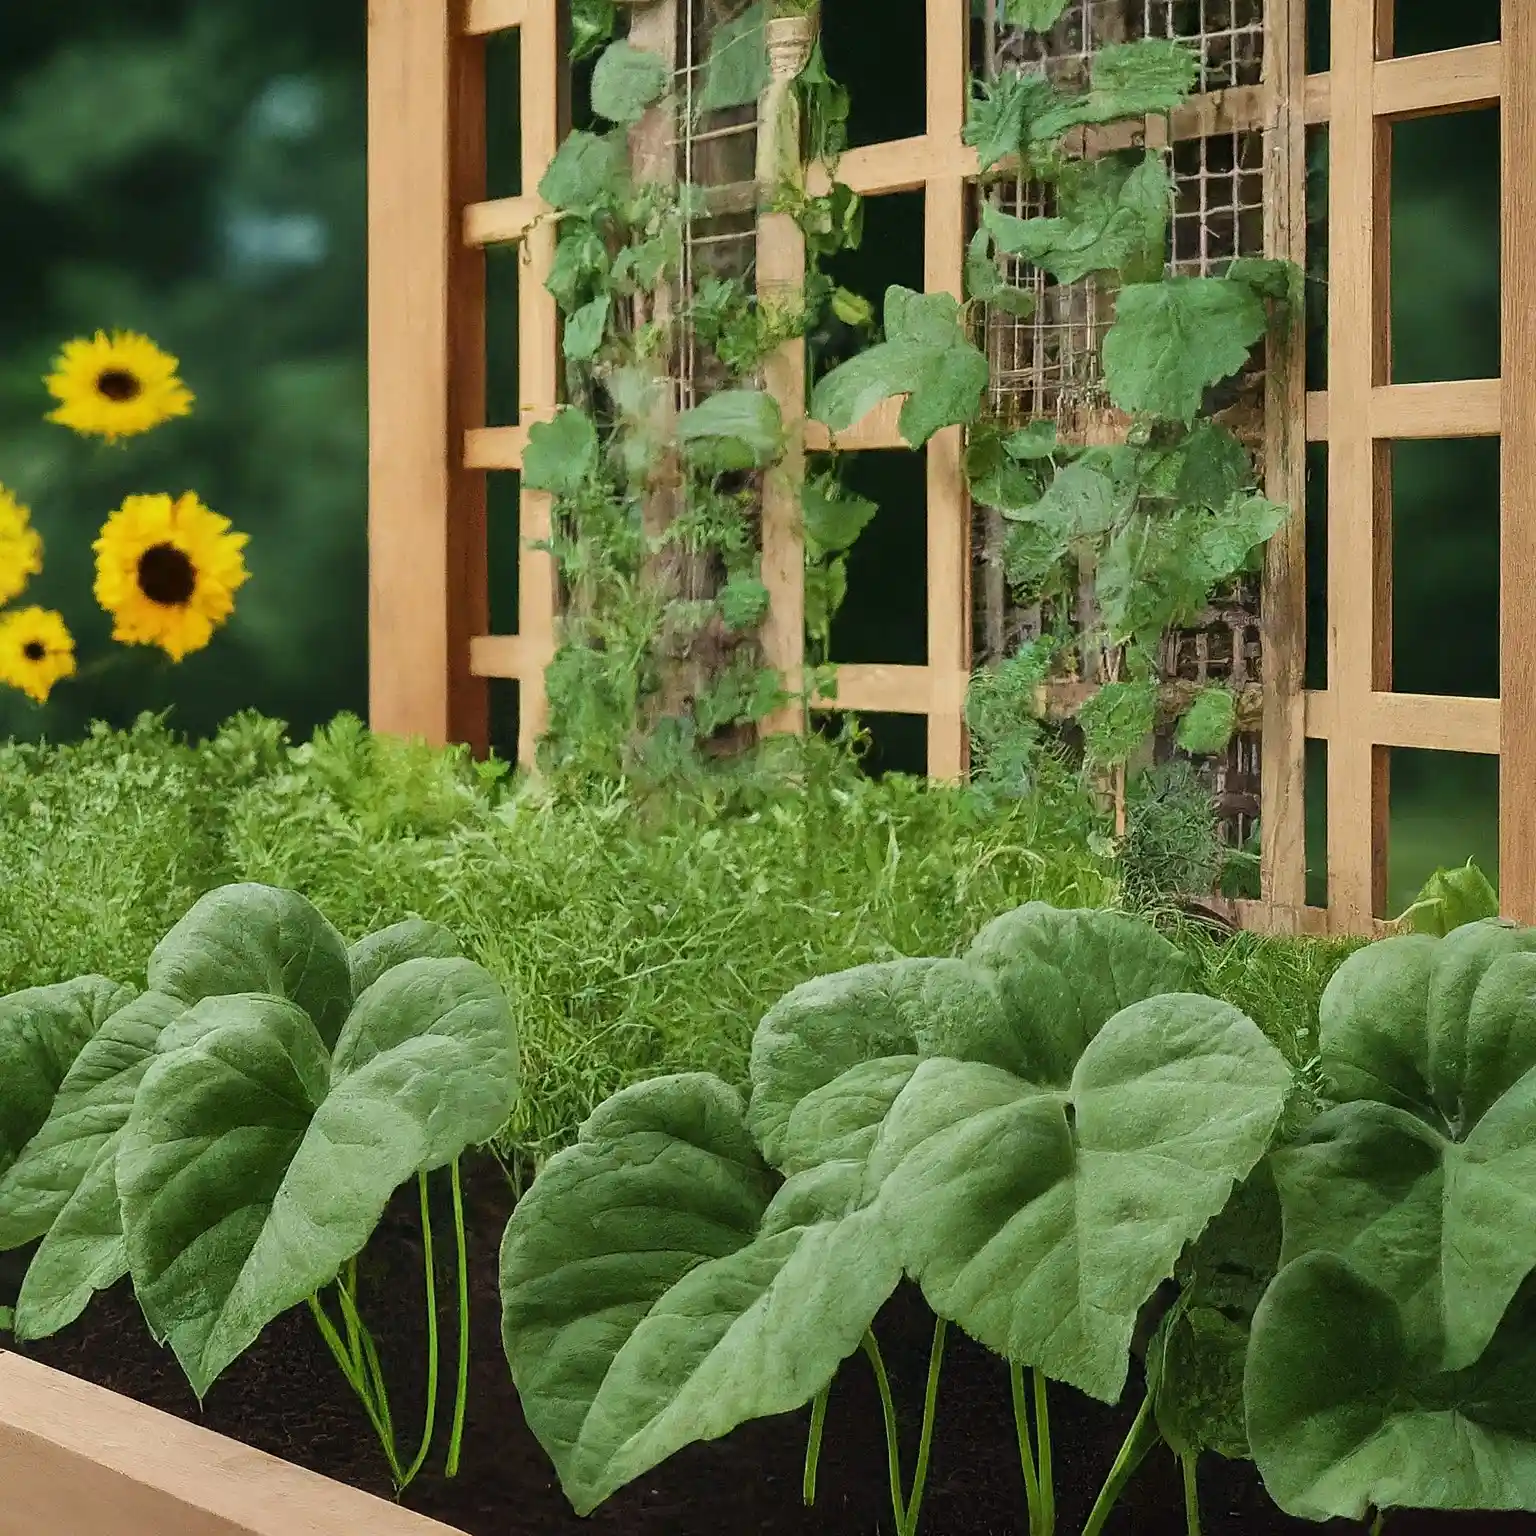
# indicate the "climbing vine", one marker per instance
pixel 658 657
pixel 656 527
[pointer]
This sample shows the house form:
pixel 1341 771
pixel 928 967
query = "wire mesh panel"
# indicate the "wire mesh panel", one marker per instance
pixel 1048 364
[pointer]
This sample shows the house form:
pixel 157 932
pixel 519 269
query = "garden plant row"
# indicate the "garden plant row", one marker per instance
pixel 1041 1133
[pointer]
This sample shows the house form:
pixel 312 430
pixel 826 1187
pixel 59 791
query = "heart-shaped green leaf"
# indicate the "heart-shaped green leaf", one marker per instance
pixel 656 1291
pixel 413 939
pixel 91 1105
pixel 255 1162
pixel 1041 1220
pixel 1426 1174
pixel 42 1032
pixel 257 938
pixel 1344 1414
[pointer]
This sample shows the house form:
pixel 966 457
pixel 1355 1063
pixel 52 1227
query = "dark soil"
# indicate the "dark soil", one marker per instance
pixel 286 1397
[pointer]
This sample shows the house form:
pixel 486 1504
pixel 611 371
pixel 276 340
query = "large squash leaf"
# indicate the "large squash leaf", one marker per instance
pixel 42 1032
pixel 257 938
pixel 92 1103
pixel 1344 1412
pixel 656 1291
pixel 1041 1219
pixel 255 1162
pixel 1425 1174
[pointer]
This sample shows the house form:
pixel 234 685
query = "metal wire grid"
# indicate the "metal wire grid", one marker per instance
pixel 1047 365
pixel 1228 33
pixel 713 148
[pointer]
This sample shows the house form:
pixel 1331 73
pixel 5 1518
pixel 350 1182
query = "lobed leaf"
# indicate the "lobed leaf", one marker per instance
pixel 656 1291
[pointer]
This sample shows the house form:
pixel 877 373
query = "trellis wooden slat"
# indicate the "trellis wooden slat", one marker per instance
pixel 1282 875
pixel 1517 576
pixel 1459 408
pixel 543 79
pixel 426 513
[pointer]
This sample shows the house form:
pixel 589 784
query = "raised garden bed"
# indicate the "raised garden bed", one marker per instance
pixel 285 1398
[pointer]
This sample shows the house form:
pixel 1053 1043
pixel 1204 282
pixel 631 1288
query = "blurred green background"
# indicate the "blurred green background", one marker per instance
pixel 195 169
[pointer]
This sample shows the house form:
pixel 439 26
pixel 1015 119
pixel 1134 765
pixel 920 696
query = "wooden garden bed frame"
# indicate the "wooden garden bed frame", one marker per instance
pixel 430 222
pixel 76 1460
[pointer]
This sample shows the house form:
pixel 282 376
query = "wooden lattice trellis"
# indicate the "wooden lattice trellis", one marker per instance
pixel 431 655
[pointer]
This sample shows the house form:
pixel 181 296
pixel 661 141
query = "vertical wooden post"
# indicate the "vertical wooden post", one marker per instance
pixel 426 372
pixel 1517 543
pixel 543 108
pixel 949 512
pixel 1359 488
pixel 1283 852
pixel 781 280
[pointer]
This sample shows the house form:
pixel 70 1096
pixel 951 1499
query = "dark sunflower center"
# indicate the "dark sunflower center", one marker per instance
pixel 166 575
pixel 34 650
pixel 118 385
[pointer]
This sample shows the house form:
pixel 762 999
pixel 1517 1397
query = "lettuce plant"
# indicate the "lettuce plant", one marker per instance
pixel 1392 1361
pixel 231 1137
pixel 1033 1132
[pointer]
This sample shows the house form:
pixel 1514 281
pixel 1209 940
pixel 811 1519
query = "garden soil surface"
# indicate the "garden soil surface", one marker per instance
pixel 286 1397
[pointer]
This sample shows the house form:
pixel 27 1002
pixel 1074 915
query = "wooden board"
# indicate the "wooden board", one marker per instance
pixel 1517 561
pixel 77 1460
pixel 426 318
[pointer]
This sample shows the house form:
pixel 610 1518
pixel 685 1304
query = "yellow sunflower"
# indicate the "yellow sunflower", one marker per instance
pixel 116 386
pixel 21 547
pixel 36 650
pixel 167 570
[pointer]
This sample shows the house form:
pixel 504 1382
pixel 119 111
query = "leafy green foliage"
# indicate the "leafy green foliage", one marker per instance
pixel 1037 15
pixel 231 1136
pixel 626 81
pixel 742 425
pixel 1172 340
pixel 1006 1104
pixel 1116 719
pixel 562 454
pixel 587 168
pixel 743 602
pixel 1345 1414
pixel 771 1288
pixel 1002 112
pixel 593 23
pixel 1171 846
pixel 1113 213
pixel 926 356
pixel 1404 1215
pixel 736 71
pixel 1451 898
pixel 237 1206
pixel 1208 724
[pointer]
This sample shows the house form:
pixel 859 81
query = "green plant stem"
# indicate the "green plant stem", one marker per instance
pixel 349 1281
pixel 925 1441
pixel 461 1387
pixel 356 1379
pixel 892 1446
pixel 426 1256
pixel 1026 1447
pixel 813 1447
pixel 1043 1456
pixel 1191 1495
pixel 373 1372
pixel 1142 1437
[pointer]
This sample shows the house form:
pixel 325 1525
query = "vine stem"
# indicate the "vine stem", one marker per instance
pixel 1026 1447
pixel 461 1389
pixel 813 1447
pixel 1142 1437
pixel 1191 1495
pixel 892 1447
pixel 925 1443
